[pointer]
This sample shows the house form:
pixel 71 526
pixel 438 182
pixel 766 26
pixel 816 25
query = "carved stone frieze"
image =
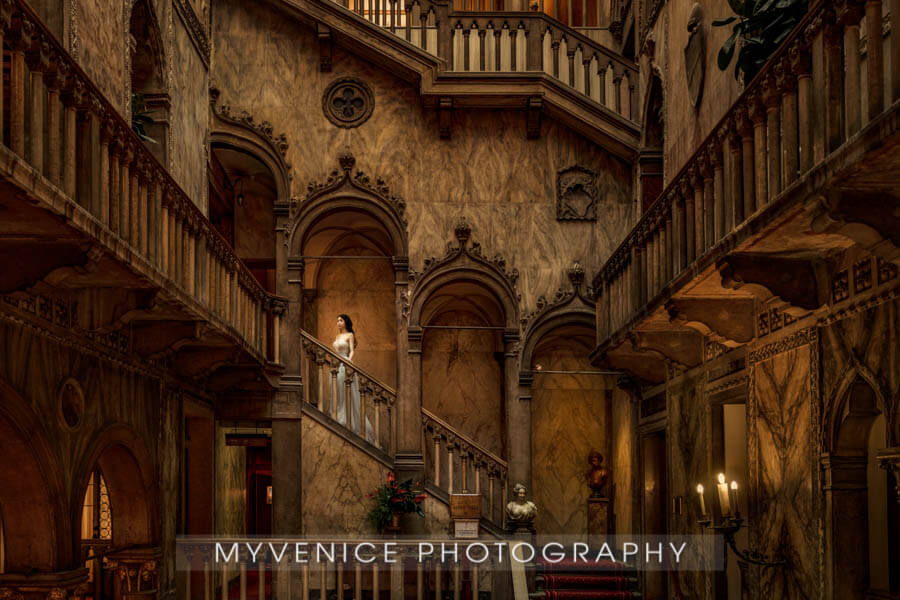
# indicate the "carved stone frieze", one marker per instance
pixel 562 298
pixel 803 337
pixel 242 117
pixel 196 30
pixel 576 194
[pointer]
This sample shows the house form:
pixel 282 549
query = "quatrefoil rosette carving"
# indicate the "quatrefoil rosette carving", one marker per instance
pixel 348 102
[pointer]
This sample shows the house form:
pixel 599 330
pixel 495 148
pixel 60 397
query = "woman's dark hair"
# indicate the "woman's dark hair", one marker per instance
pixel 348 325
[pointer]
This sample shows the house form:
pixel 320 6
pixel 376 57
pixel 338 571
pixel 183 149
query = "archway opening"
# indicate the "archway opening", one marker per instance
pixel 860 504
pixel 463 361
pixel 570 418
pixel 349 271
pixel 242 196
pixel 26 509
pixel 150 102
pixel 96 533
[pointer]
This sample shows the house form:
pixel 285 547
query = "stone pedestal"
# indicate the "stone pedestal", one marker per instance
pixel 465 513
pixel 599 525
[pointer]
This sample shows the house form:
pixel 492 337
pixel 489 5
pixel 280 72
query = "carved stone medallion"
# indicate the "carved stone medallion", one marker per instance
pixel 348 102
pixel 576 194
pixel 695 55
pixel 71 404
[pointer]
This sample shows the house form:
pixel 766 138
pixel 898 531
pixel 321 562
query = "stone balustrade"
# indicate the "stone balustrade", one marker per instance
pixel 320 369
pixel 457 464
pixel 328 567
pixel 818 92
pixel 509 42
pixel 77 143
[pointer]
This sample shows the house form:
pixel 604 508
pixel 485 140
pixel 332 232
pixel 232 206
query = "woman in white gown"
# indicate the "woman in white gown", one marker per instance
pixel 345 345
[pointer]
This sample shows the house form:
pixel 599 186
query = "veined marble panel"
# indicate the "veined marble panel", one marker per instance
pixel 787 518
pixel 231 487
pixel 488 171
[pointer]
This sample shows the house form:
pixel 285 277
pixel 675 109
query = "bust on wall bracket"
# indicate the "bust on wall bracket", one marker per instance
pixel 576 194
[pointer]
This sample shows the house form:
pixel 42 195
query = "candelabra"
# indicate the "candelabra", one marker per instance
pixel 730 523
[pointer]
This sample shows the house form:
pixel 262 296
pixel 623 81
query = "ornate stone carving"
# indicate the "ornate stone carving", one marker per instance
pixel 801 338
pixel 462 231
pixel 562 297
pixel 360 181
pixel 695 55
pixel 348 102
pixel 195 28
pixel 576 194
pixel 264 128
pixel 71 404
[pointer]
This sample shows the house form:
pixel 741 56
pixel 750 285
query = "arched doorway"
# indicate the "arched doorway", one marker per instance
pixel 349 270
pixel 29 515
pixel 857 495
pixel 150 102
pixel 242 197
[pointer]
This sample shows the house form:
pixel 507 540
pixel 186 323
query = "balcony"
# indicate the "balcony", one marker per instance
pixel 788 210
pixel 98 240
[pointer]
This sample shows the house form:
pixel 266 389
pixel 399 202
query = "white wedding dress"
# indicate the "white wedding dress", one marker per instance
pixel 342 346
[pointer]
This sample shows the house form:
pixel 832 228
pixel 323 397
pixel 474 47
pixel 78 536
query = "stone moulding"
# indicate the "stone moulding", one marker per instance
pixel 195 29
pixel 801 338
pixel 348 102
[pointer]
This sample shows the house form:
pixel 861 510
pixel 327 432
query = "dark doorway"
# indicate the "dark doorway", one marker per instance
pixel 259 486
pixel 654 512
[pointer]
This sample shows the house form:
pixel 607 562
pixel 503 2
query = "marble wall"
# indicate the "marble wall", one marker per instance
pixel 231 487
pixel 621 463
pixel 363 290
pixel 100 47
pixel 686 126
pixel 504 183
pixel 570 416
pixel 462 379
pixel 786 516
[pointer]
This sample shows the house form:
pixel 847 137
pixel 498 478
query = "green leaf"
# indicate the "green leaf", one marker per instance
pixel 727 51
pixel 737 6
pixel 724 22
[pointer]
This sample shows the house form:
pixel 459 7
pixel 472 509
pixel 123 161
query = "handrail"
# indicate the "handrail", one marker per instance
pixel 350 365
pixel 796 113
pixel 430 416
pixel 129 192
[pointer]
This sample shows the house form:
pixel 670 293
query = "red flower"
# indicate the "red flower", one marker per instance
pixel 390 476
pixel 421 497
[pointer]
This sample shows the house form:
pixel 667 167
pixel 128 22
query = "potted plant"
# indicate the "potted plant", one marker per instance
pixel 393 499
pixel 760 26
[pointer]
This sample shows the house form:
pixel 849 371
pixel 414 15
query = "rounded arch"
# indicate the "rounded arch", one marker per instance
pixel 31 496
pixel 550 323
pixel 485 278
pixel 857 401
pixel 653 113
pixel 127 467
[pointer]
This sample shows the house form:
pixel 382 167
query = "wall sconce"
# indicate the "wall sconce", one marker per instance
pixel 269 494
pixel 730 521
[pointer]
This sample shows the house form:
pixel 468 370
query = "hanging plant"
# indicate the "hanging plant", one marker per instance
pixel 140 118
pixel 392 498
pixel 759 28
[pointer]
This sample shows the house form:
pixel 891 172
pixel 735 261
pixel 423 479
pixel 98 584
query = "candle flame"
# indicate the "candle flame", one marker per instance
pixel 734 485
pixel 699 488
pixel 721 477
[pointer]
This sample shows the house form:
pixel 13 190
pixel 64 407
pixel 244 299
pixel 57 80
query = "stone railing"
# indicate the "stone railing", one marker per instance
pixel 321 368
pixel 509 42
pixel 61 125
pixel 409 570
pixel 805 104
pixel 457 464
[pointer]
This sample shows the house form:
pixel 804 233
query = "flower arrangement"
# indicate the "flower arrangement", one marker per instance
pixel 393 499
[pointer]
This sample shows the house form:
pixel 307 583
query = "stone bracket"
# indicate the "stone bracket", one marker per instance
pixel 803 283
pixel 326 47
pixel 444 108
pixel 533 118
pixel 683 348
pixel 868 219
pixel 728 321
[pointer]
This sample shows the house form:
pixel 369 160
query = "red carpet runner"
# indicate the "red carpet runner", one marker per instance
pixel 568 580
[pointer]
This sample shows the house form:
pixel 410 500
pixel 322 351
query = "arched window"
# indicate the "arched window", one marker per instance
pixel 149 96
pixel 2 547
pixel 96 527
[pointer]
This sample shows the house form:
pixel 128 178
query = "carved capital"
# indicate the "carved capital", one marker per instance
pixel 785 80
pixel 771 95
pixel 801 60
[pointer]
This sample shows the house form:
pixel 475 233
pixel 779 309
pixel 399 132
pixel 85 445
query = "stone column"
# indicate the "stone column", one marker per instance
pixel 699 218
pixel 849 16
pixel 801 64
pixel 875 58
pixel 409 459
pixel 746 131
pixel 518 412
pixel 846 573
pixel 772 99
pixel 690 238
pixel 833 61
pixel 787 85
pixel 709 218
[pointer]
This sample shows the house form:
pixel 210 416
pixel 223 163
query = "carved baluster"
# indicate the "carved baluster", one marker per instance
pixel 849 16
pixel 437 458
pixel 772 99
pixel 375 582
pixel 115 187
pixel 323 406
pixel 705 169
pixel 464 458
pixel 334 393
pixel 438 595
pixel 164 233
pixel 895 49
pixel 689 235
pixel 178 253
pixel 787 85
pixel 663 253
pixel 699 218
pixel 348 399
pixel 174 235
pixel 744 130
pixel 677 233
pixel 304 589
pixel 126 158
pixel 72 97
pixel 670 243
pixel 134 209
pixel 323 581
pixel 357 571
pixel 874 59
pixel 617 85
pixel 491 477
pixel 363 388
pixel 756 112
pixel 38 59
pixel 735 184
pixel 53 79
pixel 833 52
pixel 801 65
pixel 635 298
pixel 20 39
pixel 450 444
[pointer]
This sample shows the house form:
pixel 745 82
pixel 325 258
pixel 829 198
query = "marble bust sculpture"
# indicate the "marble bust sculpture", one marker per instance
pixel 520 512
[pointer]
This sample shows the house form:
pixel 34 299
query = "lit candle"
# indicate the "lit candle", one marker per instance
pixel 724 504
pixel 702 501
pixel 734 498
